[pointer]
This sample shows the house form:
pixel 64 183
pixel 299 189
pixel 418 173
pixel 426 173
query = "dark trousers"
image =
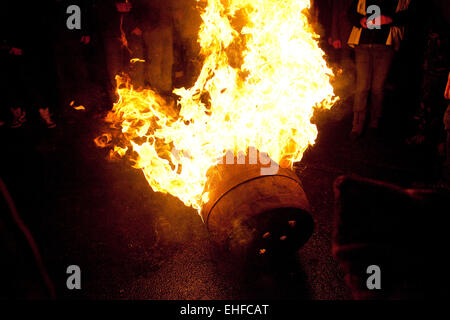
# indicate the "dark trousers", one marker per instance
pixel 373 62
pixel 344 84
pixel 447 128
pixel 71 69
pixel 14 80
pixel 29 81
pixel 115 60
pixel 137 51
pixel 159 53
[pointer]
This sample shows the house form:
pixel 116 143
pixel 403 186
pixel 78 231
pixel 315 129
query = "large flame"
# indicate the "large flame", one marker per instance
pixel 262 76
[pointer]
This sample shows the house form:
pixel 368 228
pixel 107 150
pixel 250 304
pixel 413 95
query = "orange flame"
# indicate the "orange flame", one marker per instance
pixel 79 108
pixel 262 76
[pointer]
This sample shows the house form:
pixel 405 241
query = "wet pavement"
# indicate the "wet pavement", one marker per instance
pixel 132 243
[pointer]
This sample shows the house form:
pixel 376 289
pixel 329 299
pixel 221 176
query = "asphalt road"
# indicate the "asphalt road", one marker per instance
pixel 132 243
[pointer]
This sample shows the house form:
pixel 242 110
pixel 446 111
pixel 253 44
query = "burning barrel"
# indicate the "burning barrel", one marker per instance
pixel 254 214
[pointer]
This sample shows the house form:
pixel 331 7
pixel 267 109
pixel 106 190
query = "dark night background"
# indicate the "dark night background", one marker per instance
pixel 131 243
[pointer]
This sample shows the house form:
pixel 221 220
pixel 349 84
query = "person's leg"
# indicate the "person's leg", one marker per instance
pixel 40 80
pixel 62 80
pixel 447 159
pixel 192 63
pixel 81 82
pixel 167 62
pixel 155 56
pixel 114 62
pixel 68 73
pixel 137 68
pixel 447 129
pixel 345 84
pixel 348 65
pixel 382 56
pixel 363 82
pixel 18 90
pixel 5 84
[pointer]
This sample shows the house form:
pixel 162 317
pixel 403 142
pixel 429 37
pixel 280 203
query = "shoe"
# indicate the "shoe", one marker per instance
pixel 20 117
pixel 45 115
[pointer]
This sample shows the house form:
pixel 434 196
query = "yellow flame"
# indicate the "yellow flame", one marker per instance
pixel 120 151
pixel 134 60
pixel 262 76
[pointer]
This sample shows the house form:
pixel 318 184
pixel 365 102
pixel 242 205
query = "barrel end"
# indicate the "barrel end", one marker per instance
pixel 271 234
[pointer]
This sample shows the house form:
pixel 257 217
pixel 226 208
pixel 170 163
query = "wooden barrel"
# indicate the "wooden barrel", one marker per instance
pixel 255 214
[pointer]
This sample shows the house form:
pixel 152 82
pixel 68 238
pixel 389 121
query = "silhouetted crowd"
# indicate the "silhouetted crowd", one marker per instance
pixel 395 60
pixel 56 55
pixel 60 54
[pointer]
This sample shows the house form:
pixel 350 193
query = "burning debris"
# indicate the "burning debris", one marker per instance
pixel 75 107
